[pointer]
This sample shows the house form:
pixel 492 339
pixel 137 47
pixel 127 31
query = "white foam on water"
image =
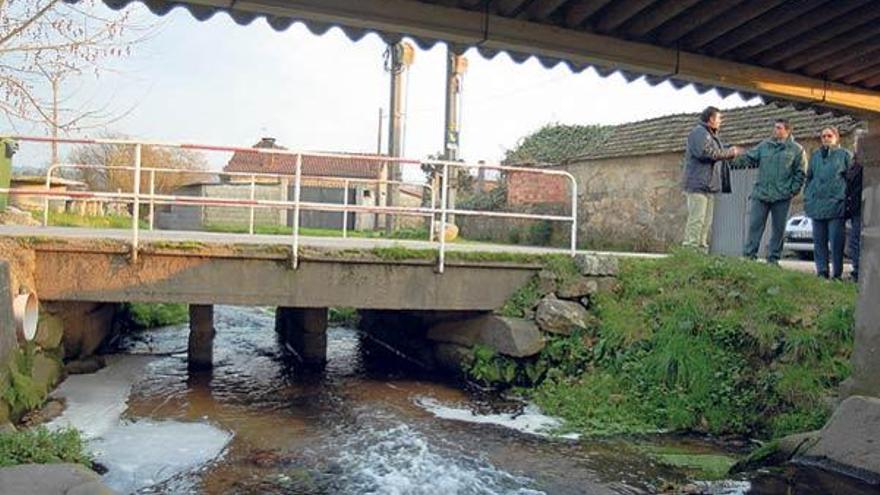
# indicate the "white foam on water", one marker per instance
pixel 531 420
pixel 143 453
pixel 400 461
pixel 95 401
pixel 725 487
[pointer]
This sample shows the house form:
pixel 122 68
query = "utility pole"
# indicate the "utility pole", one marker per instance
pixel 456 66
pixel 398 57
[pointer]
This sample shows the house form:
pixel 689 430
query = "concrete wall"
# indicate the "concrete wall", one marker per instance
pixel 7 332
pixel 266 280
pixel 637 202
pixel 633 202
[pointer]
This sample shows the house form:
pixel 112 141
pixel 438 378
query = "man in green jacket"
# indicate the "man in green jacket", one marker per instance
pixel 780 163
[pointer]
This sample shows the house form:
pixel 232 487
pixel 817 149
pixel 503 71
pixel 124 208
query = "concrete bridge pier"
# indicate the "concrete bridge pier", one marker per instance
pixel 201 337
pixel 304 330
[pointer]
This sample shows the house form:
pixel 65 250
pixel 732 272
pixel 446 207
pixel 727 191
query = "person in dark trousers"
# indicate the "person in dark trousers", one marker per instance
pixel 853 212
pixel 825 201
pixel 780 163
pixel 700 183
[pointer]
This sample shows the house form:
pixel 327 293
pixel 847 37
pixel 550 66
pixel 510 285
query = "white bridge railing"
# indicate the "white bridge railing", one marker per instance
pixel 435 212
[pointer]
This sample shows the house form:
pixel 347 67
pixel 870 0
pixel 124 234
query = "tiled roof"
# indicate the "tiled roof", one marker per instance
pixel 355 167
pixel 741 126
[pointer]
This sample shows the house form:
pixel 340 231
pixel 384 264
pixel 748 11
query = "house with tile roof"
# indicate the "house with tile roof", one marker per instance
pixel 325 179
pixel 629 192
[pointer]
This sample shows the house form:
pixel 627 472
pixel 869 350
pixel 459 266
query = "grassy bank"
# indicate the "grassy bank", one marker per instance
pixel 65 219
pixel 416 234
pixel 143 315
pixel 697 343
pixel 41 446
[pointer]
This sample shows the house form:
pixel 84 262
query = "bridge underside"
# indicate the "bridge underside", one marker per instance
pixel 229 276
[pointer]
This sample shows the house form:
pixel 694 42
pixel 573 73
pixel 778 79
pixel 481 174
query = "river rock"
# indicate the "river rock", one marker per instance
pixel 50 330
pixel 46 371
pixel 561 317
pixel 451 357
pixel 86 326
pixel 608 284
pixel 514 337
pixel 577 288
pixel 546 282
pixel 52 479
pixel 85 366
pixel 596 265
pixel 851 437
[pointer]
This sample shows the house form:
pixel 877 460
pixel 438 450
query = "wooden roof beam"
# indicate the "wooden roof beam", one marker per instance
pixel 651 19
pixel 800 25
pixel 620 12
pixel 836 51
pixel 829 31
pixel 692 19
pixel 766 23
pixel 509 7
pixel 466 28
pixel 543 9
pixel 739 16
pixel 848 68
pixel 583 10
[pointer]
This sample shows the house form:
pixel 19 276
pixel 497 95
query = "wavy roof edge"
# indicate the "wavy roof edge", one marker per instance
pixel 847 124
pixel 355 34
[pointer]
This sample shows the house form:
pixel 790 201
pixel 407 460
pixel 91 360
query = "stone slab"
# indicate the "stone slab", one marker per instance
pixel 851 438
pixel 51 479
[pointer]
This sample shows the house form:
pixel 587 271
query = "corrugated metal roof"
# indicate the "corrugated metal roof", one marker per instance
pixel 324 166
pixel 741 126
pixel 833 40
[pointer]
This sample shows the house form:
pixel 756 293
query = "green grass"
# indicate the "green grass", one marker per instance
pixel 151 315
pixel 343 317
pixel 98 222
pixel 416 234
pixel 40 446
pixel 709 344
pixel 698 465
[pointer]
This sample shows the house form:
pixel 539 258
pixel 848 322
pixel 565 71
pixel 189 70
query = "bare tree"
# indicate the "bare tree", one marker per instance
pixel 47 43
pixel 113 179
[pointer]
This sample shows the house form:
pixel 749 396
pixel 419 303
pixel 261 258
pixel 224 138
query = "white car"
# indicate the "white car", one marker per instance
pixel 799 237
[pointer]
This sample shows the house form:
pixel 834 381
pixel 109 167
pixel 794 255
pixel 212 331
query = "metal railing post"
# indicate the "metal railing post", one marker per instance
pixel 345 210
pixel 444 186
pixel 152 197
pixel 574 215
pixel 253 197
pixel 46 199
pixel 433 205
pixel 296 195
pixel 135 217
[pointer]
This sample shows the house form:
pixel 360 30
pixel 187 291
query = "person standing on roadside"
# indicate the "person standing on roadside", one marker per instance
pixel 702 155
pixel 825 201
pixel 853 210
pixel 780 162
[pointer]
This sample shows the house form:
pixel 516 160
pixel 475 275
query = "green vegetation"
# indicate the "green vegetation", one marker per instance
pixel 555 143
pixel 696 464
pixel 416 234
pixel 151 315
pixel 41 446
pixel 64 219
pixel 21 393
pixel 712 344
pixel 343 317
pixel 689 343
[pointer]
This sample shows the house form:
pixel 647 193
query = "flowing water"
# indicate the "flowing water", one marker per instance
pixel 256 424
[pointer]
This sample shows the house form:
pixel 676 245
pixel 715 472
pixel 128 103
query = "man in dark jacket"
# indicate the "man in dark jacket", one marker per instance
pixel 704 151
pixel 781 162
pixel 853 212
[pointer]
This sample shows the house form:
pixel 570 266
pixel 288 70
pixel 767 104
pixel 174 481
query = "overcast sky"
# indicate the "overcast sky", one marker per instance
pixel 221 83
